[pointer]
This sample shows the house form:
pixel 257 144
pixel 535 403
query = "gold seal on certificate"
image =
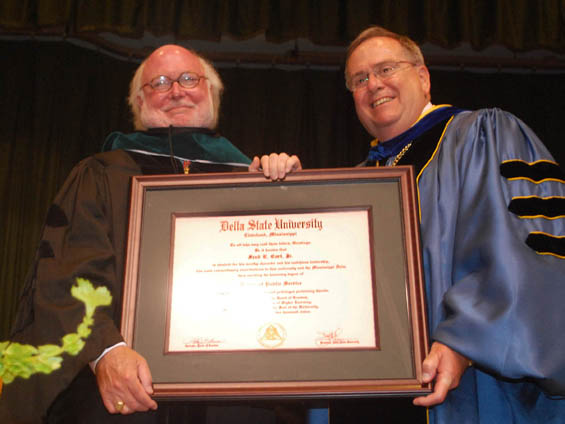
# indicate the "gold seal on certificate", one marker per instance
pixel 271 335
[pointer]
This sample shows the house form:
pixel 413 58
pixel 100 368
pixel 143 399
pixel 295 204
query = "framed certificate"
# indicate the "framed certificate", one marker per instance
pixel 239 287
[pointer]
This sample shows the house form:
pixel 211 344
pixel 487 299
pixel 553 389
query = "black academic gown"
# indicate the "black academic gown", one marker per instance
pixel 85 235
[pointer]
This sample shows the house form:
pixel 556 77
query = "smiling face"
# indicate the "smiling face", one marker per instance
pixel 387 108
pixel 179 107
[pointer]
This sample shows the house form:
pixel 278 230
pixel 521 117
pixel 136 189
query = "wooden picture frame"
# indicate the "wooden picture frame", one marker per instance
pixel 391 368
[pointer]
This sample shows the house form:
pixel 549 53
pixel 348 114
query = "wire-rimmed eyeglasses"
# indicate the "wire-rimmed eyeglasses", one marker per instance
pixel 382 70
pixel 185 80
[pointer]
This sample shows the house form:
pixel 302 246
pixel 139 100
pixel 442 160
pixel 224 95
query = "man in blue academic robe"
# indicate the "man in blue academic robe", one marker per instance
pixel 492 214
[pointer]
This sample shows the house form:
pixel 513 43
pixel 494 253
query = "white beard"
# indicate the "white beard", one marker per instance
pixel 155 118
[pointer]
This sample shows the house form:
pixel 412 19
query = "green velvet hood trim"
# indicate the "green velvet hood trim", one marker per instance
pixel 195 144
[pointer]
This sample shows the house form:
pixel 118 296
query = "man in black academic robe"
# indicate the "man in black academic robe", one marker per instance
pixel 175 97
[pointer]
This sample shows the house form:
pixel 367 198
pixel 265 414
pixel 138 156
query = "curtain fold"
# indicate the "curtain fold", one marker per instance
pixel 520 25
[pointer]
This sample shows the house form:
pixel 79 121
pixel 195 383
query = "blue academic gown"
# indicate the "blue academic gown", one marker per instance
pixel 492 228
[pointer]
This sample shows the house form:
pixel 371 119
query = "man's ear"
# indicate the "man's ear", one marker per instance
pixel 139 100
pixel 424 76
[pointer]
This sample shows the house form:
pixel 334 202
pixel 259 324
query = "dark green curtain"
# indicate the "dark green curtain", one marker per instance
pixel 518 24
pixel 59 101
pixel 56 107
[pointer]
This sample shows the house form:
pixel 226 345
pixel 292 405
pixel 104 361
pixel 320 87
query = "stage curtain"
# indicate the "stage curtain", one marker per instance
pixel 517 24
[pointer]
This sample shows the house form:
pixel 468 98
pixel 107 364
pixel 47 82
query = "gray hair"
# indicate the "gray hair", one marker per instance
pixel 213 78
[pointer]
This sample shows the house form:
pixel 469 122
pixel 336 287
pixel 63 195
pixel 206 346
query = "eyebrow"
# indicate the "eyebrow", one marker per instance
pixel 359 73
pixel 363 72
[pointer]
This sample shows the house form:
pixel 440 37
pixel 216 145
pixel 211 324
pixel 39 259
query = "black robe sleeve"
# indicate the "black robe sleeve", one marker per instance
pixel 84 236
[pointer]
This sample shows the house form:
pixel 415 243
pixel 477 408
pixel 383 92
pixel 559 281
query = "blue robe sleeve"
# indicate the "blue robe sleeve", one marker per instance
pixel 495 291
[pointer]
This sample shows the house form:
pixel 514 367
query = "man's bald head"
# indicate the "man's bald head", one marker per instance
pixel 197 106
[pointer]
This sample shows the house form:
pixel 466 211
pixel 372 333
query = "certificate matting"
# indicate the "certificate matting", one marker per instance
pixel 395 368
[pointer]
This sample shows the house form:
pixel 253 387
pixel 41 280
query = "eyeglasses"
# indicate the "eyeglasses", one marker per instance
pixel 185 80
pixel 383 71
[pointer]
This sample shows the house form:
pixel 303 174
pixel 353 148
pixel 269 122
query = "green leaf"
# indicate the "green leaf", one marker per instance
pixel 72 343
pixel 76 348
pixel 54 362
pixel 43 367
pixel 92 298
pixel 8 377
pixel 50 350
pixel 19 350
pixel 21 368
pixel 83 330
pixel 18 360
pixel 69 340
pixel 47 365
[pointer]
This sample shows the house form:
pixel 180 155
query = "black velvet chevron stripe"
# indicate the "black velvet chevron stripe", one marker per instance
pixel 45 250
pixel 551 207
pixel 536 171
pixel 544 243
pixel 56 217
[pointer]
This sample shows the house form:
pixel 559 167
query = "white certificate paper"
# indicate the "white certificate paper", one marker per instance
pixel 271 281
